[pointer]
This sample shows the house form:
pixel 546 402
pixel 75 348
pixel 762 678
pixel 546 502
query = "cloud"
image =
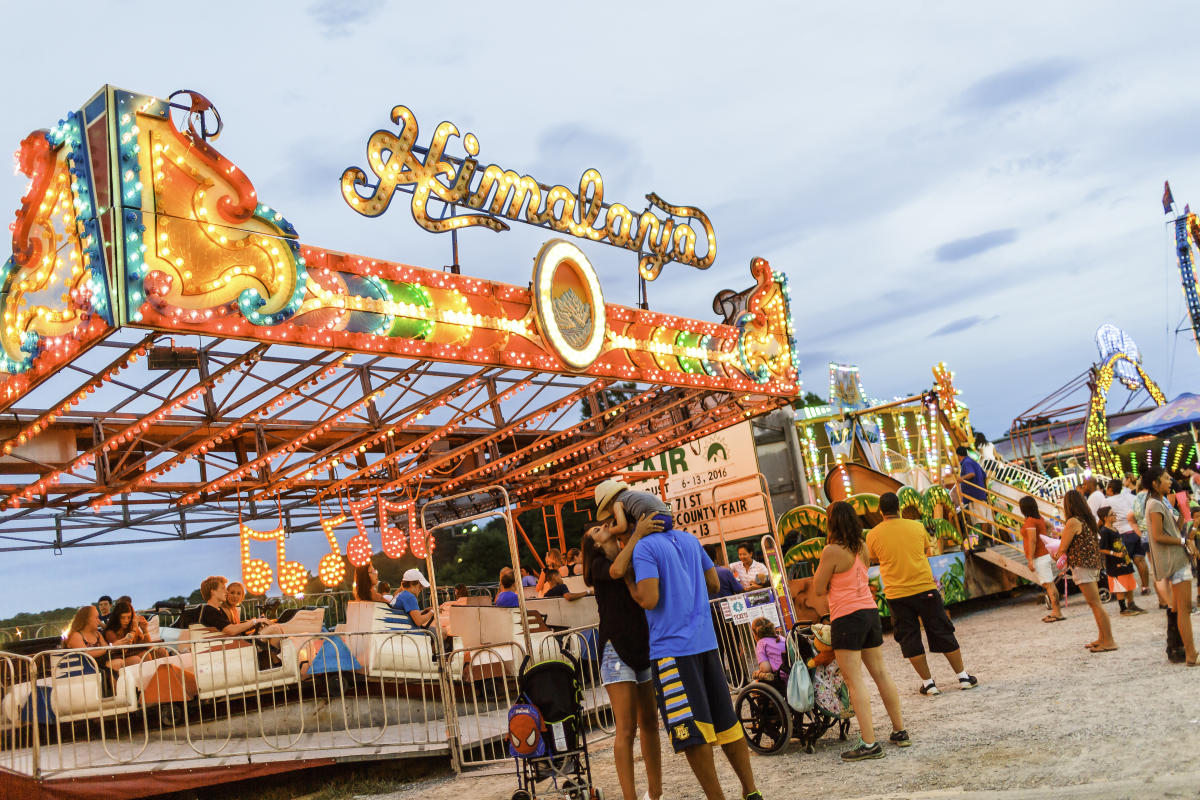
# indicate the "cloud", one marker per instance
pixel 337 17
pixel 1014 85
pixel 959 325
pixel 960 249
pixel 564 151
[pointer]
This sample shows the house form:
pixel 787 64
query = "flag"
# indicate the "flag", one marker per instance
pixel 1168 198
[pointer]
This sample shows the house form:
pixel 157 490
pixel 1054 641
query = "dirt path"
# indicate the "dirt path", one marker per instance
pixel 1048 719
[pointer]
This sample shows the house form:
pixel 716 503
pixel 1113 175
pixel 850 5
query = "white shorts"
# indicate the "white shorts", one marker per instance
pixel 1082 575
pixel 1044 567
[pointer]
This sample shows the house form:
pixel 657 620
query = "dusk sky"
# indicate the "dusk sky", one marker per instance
pixel 979 187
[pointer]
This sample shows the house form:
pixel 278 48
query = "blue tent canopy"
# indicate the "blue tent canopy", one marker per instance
pixel 1179 413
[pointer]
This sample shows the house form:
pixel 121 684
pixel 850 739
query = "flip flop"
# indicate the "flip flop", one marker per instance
pixel 1052 618
pixel 1102 649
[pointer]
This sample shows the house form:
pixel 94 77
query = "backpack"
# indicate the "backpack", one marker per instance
pixel 525 727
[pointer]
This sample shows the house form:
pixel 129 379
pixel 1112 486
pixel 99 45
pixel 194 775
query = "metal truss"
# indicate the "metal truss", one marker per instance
pixel 115 449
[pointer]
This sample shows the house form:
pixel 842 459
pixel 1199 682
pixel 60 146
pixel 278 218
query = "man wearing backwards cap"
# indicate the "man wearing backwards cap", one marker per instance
pixel 406 599
pixel 674 578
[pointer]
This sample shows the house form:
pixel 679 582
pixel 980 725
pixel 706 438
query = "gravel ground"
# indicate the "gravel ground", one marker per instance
pixel 1048 719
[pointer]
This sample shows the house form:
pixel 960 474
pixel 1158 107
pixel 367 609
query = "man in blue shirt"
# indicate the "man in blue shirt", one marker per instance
pixel 406 599
pixel 674 580
pixel 506 597
pixel 974 494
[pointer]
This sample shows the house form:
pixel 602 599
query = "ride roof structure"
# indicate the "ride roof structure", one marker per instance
pixel 175 363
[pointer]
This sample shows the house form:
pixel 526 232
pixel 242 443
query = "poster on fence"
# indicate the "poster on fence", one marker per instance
pixel 712 485
pixel 741 609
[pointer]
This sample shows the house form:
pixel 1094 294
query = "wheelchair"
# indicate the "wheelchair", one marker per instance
pixel 769 723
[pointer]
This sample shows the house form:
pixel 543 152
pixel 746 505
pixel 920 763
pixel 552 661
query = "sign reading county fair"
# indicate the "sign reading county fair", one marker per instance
pixel 398 162
pixel 713 485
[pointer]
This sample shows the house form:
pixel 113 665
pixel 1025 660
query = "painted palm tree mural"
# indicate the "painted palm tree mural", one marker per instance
pixel 952 583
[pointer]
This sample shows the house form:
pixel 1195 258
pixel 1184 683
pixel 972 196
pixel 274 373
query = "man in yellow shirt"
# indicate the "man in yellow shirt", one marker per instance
pixel 901 546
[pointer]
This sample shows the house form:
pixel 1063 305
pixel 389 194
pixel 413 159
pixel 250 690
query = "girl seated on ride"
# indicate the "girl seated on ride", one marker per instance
pixel 122 629
pixel 615 499
pixel 769 649
pixel 84 635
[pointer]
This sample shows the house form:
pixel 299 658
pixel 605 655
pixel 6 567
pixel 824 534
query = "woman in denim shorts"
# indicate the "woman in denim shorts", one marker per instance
pixel 624 642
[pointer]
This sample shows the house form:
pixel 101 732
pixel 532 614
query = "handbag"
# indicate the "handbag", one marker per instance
pixel 800 693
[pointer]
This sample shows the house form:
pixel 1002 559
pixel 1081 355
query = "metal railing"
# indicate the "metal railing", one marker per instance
pixel 194 703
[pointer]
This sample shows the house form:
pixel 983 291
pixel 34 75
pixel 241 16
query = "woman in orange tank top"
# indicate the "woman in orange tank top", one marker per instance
pixel 857 633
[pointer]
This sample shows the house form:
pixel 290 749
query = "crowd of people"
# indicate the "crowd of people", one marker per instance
pixel 657 638
pixel 1132 530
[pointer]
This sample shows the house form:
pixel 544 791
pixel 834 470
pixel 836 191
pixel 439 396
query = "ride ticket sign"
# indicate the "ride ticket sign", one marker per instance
pixel 741 609
pixel 712 485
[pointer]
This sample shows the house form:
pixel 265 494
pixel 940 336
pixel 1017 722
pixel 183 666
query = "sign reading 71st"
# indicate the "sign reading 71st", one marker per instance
pixel 712 485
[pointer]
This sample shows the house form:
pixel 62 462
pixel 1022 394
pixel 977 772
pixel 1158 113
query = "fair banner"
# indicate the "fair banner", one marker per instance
pixel 712 485
pixel 868 435
pixel 840 433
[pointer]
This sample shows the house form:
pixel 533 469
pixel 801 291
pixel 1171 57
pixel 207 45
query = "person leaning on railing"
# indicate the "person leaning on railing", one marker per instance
pixel 974 492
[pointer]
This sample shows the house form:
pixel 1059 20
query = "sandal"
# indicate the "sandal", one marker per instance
pixel 1052 618
pixel 1102 649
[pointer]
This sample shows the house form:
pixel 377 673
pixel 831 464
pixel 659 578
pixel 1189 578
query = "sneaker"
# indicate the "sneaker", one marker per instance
pixel 1129 612
pixel 1135 609
pixel 969 682
pixel 751 796
pixel 930 689
pixel 863 752
pixel 900 739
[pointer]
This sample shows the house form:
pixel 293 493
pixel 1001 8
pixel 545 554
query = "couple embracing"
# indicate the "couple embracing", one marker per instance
pixel 657 643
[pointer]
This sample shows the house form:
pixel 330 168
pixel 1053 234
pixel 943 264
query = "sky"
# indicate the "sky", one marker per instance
pixel 960 182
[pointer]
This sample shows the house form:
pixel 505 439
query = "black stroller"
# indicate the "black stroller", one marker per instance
pixel 546 732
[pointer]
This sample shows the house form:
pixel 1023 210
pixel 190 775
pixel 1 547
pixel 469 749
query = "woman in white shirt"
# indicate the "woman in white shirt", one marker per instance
pixel 750 574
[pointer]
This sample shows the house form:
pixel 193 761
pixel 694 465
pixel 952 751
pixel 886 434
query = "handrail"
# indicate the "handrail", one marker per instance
pixel 764 491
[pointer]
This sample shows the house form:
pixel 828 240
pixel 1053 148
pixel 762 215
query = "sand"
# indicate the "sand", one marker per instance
pixel 1048 719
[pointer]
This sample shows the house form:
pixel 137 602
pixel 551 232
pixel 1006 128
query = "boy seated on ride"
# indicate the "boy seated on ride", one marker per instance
pixel 212 615
pixel 769 650
pixel 557 588
pixel 626 506
pixel 506 597
pixel 406 599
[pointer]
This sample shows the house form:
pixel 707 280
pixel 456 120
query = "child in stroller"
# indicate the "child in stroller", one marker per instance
pixel 761 706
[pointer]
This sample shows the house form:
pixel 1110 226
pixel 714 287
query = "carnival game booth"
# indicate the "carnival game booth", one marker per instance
pixel 175 364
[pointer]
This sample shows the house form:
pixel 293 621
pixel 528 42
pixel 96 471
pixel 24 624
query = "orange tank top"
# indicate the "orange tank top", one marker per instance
pixel 849 591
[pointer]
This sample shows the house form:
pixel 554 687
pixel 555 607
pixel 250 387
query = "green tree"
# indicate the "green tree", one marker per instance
pixel 612 396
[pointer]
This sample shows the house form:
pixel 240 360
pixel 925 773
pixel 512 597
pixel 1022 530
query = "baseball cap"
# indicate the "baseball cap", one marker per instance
pixel 415 576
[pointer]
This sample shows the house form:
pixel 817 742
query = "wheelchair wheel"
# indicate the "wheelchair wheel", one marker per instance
pixel 765 717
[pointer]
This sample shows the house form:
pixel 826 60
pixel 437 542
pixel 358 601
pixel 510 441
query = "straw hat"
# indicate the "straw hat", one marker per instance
pixel 823 634
pixel 605 493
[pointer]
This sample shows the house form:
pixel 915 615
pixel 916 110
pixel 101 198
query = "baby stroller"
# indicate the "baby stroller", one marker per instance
pixel 546 732
pixel 770 723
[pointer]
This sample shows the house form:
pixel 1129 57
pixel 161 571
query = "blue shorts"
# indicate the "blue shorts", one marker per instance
pixel 693 698
pixel 614 670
